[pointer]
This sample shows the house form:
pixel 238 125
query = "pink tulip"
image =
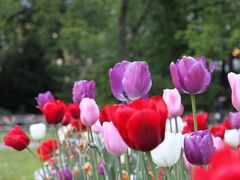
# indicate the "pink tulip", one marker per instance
pixel 89 111
pixel 97 128
pixel 218 143
pixel 112 140
pixel 173 100
pixel 234 81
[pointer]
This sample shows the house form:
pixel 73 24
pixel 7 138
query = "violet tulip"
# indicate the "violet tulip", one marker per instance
pixel 234 119
pixel 234 81
pixel 89 111
pixel 199 147
pixel 112 139
pixel 67 174
pixel 83 89
pixel 191 75
pixel 42 98
pixel 172 99
pixel 130 80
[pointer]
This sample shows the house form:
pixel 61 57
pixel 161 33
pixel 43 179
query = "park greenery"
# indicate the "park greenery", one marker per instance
pixel 47 45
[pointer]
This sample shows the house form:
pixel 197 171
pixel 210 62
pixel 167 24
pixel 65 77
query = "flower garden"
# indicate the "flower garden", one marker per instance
pixel 141 137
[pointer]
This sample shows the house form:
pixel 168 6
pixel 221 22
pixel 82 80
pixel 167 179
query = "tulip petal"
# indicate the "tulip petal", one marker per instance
pixel 137 80
pixel 116 75
pixel 175 77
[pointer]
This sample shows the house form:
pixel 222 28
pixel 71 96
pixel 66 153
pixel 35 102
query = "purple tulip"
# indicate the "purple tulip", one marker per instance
pixel 83 89
pixel 130 80
pixel 67 173
pixel 42 98
pixel 199 147
pixel 100 168
pixel 234 120
pixel 191 75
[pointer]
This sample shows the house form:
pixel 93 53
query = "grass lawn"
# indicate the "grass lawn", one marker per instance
pixel 16 165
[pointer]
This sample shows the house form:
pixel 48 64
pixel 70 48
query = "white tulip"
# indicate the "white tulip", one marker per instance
pixel 169 151
pixel 172 128
pixel 38 131
pixel 232 137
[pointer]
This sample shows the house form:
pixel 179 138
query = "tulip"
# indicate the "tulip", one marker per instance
pixel 46 149
pixel 218 143
pixel 234 81
pixel 201 122
pixel 17 139
pixel 168 152
pixel 42 98
pixel 97 128
pixel 172 99
pixel 101 168
pixel 234 120
pixel 141 123
pixel 198 147
pixel 67 118
pixel 112 140
pixel 54 111
pixel 67 174
pixel 83 89
pixel 191 75
pixel 225 165
pixel 77 124
pixel 172 127
pixel 38 131
pixel 74 110
pixel 130 80
pixel 219 130
pixel 232 137
pixel 89 111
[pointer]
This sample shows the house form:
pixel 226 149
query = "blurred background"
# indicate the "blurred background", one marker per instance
pixel 47 45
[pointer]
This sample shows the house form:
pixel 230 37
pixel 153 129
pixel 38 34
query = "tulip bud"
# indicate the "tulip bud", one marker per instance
pixel 172 99
pixel 168 152
pixel 87 168
pixel 38 131
pixel 191 75
pixel 234 81
pixel 234 119
pixel 232 137
pixel 198 147
pixel 125 175
pixel 67 174
pixel 101 168
pixel 89 111
pixel 112 140
pixel 76 171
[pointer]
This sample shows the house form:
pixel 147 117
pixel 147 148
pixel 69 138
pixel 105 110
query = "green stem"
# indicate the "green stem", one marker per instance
pixel 168 173
pixel 144 165
pixel 154 172
pixel 176 124
pixel 60 152
pixel 126 157
pixel 194 112
pixel 93 154
pixel 120 167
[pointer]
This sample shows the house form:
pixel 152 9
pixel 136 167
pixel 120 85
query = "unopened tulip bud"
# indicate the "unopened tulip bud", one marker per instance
pixel 87 168
pixel 75 171
pixel 125 175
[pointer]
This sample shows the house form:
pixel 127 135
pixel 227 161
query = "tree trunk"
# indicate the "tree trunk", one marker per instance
pixel 122 28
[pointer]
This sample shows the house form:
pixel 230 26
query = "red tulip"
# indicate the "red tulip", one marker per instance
pixel 225 165
pixel 67 118
pixel 141 123
pixel 54 111
pixel 107 112
pixel 219 130
pixel 46 149
pixel 74 109
pixel 76 123
pixel 17 139
pixel 201 121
